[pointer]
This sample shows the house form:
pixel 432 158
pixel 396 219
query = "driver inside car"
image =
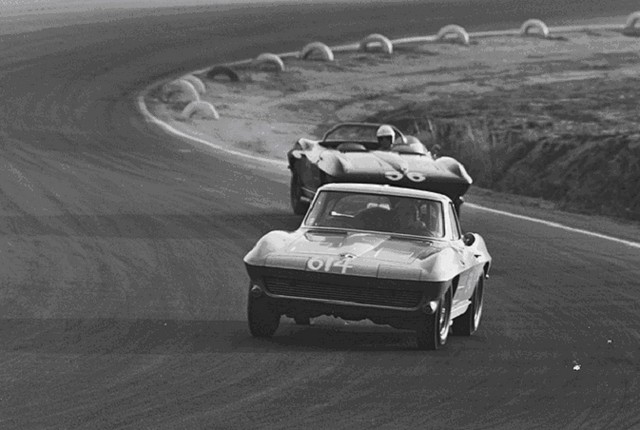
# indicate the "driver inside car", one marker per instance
pixel 406 218
pixel 386 137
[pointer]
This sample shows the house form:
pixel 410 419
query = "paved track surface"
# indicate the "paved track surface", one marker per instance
pixel 122 287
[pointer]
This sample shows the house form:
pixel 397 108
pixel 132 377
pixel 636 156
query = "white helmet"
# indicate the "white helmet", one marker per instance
pixel 385 130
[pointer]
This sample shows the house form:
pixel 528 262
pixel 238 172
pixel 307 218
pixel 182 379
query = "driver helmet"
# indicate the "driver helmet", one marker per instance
pixel 386 130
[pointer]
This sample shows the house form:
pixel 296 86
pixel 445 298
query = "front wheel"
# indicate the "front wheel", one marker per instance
pixel 295 192
pixel 433 330
pixel 263 318
pixel 467 323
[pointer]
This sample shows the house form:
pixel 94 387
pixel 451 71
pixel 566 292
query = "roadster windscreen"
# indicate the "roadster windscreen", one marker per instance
pixel 352 133
pixel 379 213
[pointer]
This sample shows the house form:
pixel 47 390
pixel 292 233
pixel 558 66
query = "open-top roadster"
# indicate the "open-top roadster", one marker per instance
pixel 351 152
pixel 392 255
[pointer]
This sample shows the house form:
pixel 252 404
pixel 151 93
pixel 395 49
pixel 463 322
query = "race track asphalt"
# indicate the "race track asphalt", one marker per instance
pixel 122 292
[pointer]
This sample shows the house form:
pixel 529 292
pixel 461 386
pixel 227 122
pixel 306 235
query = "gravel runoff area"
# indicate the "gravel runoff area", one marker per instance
pixel 504 81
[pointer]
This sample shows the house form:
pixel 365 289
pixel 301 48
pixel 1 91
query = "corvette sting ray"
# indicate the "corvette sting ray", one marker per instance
pixel 392 255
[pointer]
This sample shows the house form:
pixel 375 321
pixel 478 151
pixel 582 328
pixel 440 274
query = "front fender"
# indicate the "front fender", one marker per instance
pixel 331 164
pixel 441 266
pixel 304 148
pixel 455 167
pixel 269 243
pixel 295 153
pixel 479 249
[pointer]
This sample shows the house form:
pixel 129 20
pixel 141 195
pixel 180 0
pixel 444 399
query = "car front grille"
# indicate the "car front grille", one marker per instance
pixel 369 295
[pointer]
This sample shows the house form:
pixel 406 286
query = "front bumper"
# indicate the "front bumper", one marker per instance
pixel 310 294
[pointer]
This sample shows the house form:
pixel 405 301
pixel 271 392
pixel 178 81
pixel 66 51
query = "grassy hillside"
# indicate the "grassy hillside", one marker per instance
pixel 576 143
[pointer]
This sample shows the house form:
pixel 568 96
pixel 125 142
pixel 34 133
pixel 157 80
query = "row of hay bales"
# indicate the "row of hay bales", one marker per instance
pixel 191 87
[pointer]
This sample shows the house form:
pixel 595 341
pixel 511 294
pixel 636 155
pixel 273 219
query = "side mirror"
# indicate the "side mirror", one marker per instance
pixel 469 239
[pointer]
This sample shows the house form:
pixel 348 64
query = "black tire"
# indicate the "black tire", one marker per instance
pixel 467 323
pixel 263 318
pixel 299 206
pixel 433 330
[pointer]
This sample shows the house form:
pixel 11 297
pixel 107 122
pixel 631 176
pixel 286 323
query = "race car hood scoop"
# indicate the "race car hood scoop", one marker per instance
pixel 371 247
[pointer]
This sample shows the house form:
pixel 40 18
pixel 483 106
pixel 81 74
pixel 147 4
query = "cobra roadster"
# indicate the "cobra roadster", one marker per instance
pixel 350 152
pixel 392 255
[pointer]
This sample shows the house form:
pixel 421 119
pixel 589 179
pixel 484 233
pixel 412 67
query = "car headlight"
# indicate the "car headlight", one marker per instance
pixel 431 307
pixel 256 291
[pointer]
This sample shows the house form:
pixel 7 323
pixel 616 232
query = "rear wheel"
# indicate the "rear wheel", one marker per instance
pixel 433 330
pixel 298 205
pixel 467 323
pixel 263 318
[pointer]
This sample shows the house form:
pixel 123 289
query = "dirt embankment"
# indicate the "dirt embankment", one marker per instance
pixel 573 142
pixel 551 118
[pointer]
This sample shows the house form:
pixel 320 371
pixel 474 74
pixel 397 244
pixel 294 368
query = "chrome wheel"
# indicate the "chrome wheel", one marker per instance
pixel 478 300
pixel 433 330
pixel 444 320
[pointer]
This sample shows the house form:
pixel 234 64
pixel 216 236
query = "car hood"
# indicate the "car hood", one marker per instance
pixel 356 253
pixel 384 163
pixel 369 246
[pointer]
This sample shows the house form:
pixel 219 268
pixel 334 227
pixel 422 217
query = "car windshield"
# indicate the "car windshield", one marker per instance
pixel 352 133
pixel 379 213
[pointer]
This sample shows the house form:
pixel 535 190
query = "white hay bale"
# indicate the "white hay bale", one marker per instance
pixel 630 26
pixel 180 90
pixel 453 29
pixel 269 58
pixel 202 109
pixel 533 23
pixel 196 82
pixel 325 52
pixel 225 71
pixel 377 39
